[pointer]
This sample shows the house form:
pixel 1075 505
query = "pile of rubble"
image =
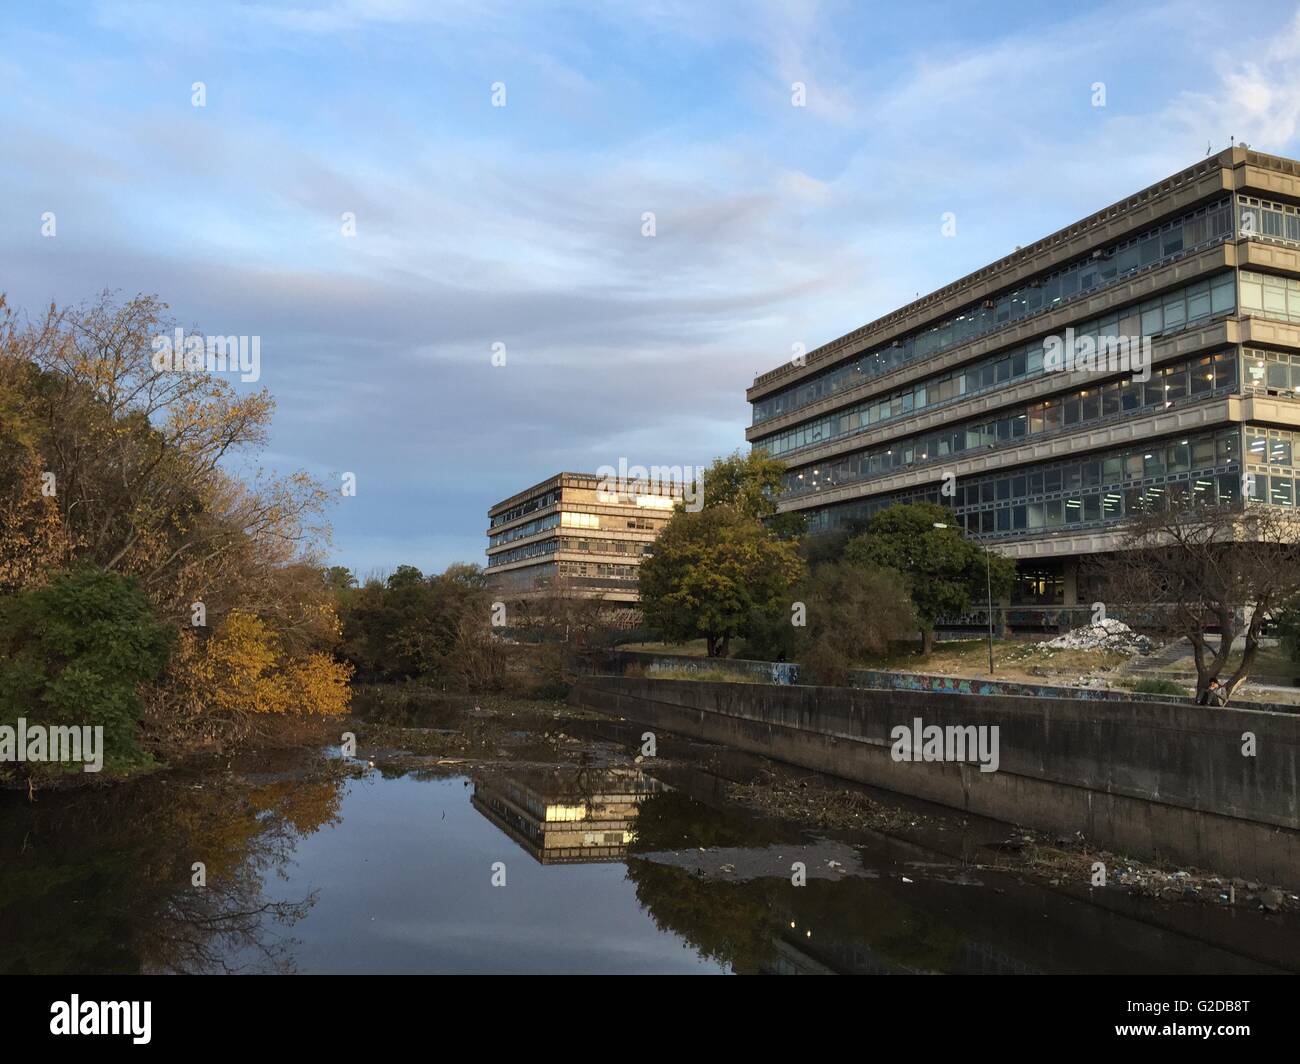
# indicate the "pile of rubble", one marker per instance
pixel 1108 634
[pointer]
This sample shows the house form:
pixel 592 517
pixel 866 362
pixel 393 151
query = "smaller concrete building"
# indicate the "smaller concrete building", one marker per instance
pixel 576 531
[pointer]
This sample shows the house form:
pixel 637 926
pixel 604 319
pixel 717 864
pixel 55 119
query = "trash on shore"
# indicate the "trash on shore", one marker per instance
pixel 1107 634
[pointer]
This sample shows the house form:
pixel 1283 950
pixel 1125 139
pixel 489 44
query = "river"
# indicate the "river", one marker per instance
pixel 537 845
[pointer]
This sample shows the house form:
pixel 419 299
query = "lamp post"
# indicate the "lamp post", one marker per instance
pixel 988 584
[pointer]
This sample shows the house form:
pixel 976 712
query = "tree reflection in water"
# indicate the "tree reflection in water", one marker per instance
pixel 99 880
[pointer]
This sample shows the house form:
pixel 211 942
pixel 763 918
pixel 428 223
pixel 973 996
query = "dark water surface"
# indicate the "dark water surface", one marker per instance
pixel 318 865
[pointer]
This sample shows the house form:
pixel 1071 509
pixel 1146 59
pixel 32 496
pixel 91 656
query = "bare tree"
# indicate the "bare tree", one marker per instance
pixel 1233 568
pixel 568 622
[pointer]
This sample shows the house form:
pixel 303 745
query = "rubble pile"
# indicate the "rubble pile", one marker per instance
pixel 1108 634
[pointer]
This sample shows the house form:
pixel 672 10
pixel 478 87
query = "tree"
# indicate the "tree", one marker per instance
pixel 1288 629
pixel 247 672
pixel 74 652
pixel 752 483
pixel 749 482
pixel 1235 568
pixel 415 626
pixel 712 572
pixel 109 461
pixel 945 572
pixel 853 613
pixel 339 579
pixel 406 576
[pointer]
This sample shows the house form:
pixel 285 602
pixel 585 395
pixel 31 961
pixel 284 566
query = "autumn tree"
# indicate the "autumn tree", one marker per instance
pixel 712 572
pixel 128 468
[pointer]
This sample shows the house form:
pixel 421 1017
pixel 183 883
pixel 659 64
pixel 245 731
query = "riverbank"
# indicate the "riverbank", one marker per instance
pixel 1165 781
pixel 467 732
pixel 684 860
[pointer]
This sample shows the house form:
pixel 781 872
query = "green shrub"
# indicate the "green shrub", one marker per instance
pixel 74 653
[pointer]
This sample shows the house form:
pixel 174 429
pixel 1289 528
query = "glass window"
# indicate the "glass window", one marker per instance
pixel 1252 293
pixel 1221 290
pixel 1274 297
pixel 1202 377
pixel 1175 384
pixel 1198 302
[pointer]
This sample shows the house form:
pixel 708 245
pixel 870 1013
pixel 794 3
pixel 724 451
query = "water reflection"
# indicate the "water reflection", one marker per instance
pixel 571 815
pixel 101 880
pixel 391 871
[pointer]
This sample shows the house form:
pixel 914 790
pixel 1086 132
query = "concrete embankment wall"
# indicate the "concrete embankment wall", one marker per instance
pixel 1143 778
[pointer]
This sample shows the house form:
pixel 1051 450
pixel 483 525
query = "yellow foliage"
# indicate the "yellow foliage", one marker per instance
pixel 32 535
pixel 244 669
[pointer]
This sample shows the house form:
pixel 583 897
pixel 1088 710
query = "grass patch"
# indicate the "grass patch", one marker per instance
pixel 696 648
pixel 1158 686
pixel 708 675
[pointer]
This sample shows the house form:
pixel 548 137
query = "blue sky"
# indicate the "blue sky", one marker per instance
pixel 522 224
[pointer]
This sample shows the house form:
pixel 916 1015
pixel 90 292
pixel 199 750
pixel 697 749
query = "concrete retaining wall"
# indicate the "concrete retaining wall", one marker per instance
pixel 1143 778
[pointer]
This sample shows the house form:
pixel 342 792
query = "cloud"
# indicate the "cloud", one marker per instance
pixel 774 225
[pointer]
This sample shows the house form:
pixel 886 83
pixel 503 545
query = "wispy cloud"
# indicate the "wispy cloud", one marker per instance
pixel 523 225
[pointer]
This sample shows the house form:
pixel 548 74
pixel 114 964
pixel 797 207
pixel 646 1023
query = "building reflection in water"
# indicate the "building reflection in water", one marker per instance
pixel 566 815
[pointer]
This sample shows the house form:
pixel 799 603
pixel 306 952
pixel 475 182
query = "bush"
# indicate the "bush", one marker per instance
pixel 75 652
pixel 853 613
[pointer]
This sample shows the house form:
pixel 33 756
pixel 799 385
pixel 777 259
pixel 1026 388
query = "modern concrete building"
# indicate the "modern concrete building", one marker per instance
pixel 573 531
pixel 957 398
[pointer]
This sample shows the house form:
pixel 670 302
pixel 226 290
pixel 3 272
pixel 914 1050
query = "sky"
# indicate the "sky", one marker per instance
pixel 499 161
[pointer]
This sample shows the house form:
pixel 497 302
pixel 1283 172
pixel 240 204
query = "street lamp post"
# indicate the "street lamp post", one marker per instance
pixel 988 585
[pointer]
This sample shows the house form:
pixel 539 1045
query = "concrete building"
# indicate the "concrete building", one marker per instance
pixel 572 531
pixel 959 398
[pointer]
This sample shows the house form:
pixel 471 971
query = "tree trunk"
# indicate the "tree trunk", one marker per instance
pixel 1248 656
pixel 927 641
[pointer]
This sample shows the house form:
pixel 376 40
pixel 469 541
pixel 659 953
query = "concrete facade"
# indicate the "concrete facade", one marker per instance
pixel 573 531
pixel 952 400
